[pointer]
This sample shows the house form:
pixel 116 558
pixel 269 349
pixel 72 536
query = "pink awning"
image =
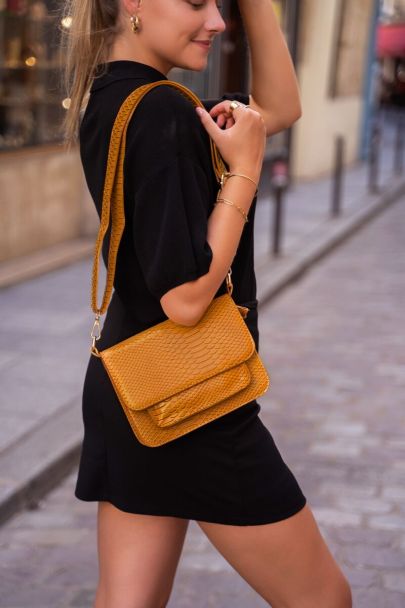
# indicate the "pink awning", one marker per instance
pixel 391 40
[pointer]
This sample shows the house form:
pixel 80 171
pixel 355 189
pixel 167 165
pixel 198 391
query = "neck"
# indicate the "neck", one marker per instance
pixel 123 49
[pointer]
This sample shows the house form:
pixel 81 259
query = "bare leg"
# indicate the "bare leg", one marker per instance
pixel 287 562
pixel 138 558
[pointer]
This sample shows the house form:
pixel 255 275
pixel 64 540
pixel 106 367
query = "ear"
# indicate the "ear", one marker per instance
pixel 131 6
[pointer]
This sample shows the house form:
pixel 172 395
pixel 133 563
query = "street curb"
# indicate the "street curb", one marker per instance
pixel 275 274
pixel 39 460
pixel 51 258
pixel 53 448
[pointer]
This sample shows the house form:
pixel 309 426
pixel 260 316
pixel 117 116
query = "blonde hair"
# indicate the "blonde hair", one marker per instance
pixel 93 26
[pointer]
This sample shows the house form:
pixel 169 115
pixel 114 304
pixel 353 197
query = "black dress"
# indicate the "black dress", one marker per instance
pixel 230 470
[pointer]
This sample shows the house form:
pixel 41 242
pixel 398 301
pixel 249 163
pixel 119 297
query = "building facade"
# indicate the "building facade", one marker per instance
pixel 332 67
pixel 43 197
pixel 41 185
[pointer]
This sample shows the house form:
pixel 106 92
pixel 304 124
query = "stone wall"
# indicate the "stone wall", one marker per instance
pixel 43 200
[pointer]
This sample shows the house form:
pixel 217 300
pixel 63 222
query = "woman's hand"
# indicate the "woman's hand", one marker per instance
pixel 223 115
pixel 242 144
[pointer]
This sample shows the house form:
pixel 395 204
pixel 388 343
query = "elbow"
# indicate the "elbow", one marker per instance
pixel 293 115
pixel 293 111
pixel 181 312
pixel 285 119
pixel 186 318
pixel 289 117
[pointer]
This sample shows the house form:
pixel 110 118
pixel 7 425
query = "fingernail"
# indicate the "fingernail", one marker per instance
pixel 199 111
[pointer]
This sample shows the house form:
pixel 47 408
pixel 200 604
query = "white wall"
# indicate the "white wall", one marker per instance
pixel 323 117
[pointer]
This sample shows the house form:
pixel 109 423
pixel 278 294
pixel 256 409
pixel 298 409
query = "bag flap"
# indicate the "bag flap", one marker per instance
pixel 167 358
pixel 200 396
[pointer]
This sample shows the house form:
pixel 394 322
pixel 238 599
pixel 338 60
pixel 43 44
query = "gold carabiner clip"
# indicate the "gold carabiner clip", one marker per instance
pixel 95 335
pixel 229 284
pixel 224 177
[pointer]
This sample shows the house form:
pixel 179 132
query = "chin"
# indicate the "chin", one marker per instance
pixel 195 65
pixel 197 69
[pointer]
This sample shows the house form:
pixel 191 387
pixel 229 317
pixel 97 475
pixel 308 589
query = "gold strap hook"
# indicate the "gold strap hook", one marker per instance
pixel 229 284
pixel 95 334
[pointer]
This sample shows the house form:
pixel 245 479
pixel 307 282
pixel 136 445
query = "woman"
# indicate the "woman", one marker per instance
pixel 174 255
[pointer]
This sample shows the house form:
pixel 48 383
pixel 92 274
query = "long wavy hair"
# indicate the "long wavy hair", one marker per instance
pixel 92 27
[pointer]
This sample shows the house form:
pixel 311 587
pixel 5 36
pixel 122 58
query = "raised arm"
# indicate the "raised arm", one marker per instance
pixel 274 87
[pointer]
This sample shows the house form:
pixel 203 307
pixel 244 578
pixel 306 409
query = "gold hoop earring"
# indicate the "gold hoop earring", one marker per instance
pixel 136 23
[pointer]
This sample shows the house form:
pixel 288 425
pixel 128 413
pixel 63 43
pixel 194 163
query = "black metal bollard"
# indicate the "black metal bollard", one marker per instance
pixel 277 223
pixel 374 159
pixel 279 180
pixel 399 145
pixel 338 176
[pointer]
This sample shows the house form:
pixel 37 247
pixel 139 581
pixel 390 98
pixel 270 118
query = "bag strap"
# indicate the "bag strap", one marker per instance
pixel 113 194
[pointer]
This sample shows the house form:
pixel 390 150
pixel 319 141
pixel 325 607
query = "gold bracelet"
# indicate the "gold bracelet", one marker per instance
pixel 228 202
pixel 225 176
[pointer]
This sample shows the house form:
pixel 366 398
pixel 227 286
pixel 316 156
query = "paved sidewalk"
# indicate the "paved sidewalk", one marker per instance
pixel 44 335
pixel 334 345
pixel 310 232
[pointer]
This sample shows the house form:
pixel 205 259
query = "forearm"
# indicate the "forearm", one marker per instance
pixel 274 85
pixel 225 227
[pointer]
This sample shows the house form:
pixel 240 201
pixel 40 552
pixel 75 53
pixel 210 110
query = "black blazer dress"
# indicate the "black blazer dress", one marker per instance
pixel 230 470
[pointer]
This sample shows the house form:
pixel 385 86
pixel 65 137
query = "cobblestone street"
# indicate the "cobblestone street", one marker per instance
pixel 334 344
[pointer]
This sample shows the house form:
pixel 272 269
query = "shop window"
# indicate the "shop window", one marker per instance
pixel 31 100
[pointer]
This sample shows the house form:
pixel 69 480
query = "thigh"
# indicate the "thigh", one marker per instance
pixel 138 557
pixel 287 562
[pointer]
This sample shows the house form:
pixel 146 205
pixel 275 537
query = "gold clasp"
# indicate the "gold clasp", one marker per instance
pixel 224 178
pixel 244 310
pixel 229 284
pixel 95 334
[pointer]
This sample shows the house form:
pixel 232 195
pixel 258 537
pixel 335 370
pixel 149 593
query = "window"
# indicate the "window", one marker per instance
pixel 31 104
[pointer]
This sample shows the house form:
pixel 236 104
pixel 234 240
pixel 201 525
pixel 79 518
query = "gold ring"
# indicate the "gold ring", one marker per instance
pixel 234 104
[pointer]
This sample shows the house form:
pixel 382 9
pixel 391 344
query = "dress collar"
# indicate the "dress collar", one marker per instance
pixel 123 69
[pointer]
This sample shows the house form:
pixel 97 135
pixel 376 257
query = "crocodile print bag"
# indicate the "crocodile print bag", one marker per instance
pixel 171 379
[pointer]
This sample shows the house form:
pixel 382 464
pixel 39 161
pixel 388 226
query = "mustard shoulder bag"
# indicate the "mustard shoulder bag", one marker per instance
pixel 171 379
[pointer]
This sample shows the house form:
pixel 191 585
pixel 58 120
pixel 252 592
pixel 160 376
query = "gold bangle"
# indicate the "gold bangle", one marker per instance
pixel 225 176
pixel 228 202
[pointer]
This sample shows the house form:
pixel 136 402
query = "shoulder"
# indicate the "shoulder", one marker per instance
pixel 165 98
pixel 168 112
pixel 165 121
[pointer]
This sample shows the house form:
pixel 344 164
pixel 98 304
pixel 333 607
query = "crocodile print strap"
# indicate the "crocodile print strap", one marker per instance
pixel 113 194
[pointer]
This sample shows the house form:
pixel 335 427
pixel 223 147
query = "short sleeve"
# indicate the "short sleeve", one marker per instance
pixel 170 226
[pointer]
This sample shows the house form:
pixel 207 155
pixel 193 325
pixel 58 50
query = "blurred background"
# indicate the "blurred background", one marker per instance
pixel 332 201
pixel 349 58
